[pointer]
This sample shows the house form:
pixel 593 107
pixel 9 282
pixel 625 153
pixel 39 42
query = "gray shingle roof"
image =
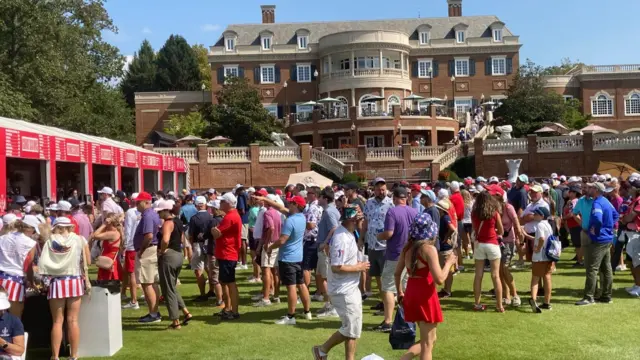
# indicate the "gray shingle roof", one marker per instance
pixel 442 28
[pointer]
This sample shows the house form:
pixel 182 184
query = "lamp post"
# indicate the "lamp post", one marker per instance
pixel 286 100
pixel 315 75
pixel 453 87
pixel 354 141
pixel 203 88
pixel 431 81
pixel 400 130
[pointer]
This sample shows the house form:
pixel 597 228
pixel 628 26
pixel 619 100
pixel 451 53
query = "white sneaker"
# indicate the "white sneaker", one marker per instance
pixel 332 313
pixel 276 300
pixel 256 297
pixel 286 321
pixel 516 302
pixel 317 297
pixel 368 294
pixel 262 303
pixel 244 267
pixel 308 316
pixel 254 280
pixel 130 305
pixel 634 291
pixel 621 267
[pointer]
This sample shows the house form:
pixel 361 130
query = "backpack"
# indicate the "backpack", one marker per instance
pixel 553 249
pixel 403 334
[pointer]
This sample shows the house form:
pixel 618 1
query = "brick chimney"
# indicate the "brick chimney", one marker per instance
pixel 455 8
pixel 268 14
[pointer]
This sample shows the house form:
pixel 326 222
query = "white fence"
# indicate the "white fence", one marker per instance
pixel 228 155
pixel 277 153
pixel 426 152
pixel 559 144
pixel 344 155
pixel 616 142
pixel 508 146
pixel 384 153
pixel 189 154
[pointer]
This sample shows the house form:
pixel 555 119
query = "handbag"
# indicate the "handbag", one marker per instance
pixel 105 262
pixel 403 334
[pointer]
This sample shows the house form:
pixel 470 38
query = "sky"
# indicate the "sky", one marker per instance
pixel 595 32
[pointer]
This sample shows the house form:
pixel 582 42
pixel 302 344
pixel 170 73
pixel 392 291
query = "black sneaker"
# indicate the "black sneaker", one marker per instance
pixel 364 297
pixel 443 294
pixel 222 313
pixel 545 306
pixel 383 327
pixel 230 316
pixel 604 300
pixel 585 302
pixel 534 306
pixel 201 298
pixel 378 306
pixel 211 295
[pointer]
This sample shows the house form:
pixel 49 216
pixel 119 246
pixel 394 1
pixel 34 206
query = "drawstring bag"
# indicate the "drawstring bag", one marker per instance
pixel 403 334
pixel 553 249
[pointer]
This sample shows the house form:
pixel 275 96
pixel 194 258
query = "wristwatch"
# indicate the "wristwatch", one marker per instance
pixel 5 345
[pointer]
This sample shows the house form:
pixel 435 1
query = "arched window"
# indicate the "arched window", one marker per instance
pixel 367 107
pixel 602 105
pixel 341 108
pixel 632 104
pixel 393 100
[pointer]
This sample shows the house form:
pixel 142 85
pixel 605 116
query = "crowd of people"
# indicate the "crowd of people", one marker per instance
pixel 403 240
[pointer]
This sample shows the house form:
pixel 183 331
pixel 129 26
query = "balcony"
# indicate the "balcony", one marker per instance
pixel 608 69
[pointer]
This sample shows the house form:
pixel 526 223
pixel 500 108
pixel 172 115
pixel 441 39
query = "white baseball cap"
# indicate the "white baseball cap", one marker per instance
pixel 443 193
pixel 171 193
pixel 162 205
pixel 9 218
pixel 545 187
pixel 134 196
pixel 423 185
pixel 30 203
pixel 214 204
pixel 201 200
pixel 32 221
pixel 53 207
pixel 574 179
pixel 106 190
pixel 494 179
pixel 64 205
pixel 563 178
pixel 230 198
pixel 211 191
pixel 251 190
pixel 554 175
pixel 602 178
pixel 62 221
pixel 455 186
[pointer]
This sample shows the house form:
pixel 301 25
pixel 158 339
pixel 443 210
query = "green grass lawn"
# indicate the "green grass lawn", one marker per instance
pixel 566 332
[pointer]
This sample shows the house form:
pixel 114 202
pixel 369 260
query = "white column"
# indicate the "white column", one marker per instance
pixel 401 64
pixel 329 57
pixel 381 67
pixel 352 61
pixel 84 175
pixel 114 177
pixel 353 99
pixel 45 181
pixel 384 101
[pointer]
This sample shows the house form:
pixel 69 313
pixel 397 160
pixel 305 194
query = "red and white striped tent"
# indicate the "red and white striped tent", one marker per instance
pixel 25 140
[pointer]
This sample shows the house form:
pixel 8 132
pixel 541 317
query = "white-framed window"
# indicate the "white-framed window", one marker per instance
pixel 344 140
pixel 272 109
pixel 304 73
pixel 462 67
pixel 303 41
pixel 325 66
pixel 327 143
pixel 304 111
pixel 460 36
pixel 231 70
pixel 367 107
pixel 374 140
pixel 498 65
pixel 424 37
pixel 425 68
pixel 462 107
pixel 567 97
pixel 632 104
pixel 497 35
pixel 267 74
pixel 393 100
pixel 266 42
pixel 601 105
pixel 341 108
pixel 345 64
pixel 230 44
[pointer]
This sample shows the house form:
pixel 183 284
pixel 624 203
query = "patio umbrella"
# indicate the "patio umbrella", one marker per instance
pixel 545 129
pixel 575 132
pixel 433 99
pixel 309 178
pixel 219 140
pixel 309 103
pixel 328 100
pixel 596 128
pixel 190 138
pixel 372 99
pixel 413 97
pixel 488 103
pixel 616 169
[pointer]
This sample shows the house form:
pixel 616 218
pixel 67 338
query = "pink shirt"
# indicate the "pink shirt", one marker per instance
pixel 272 220
pixel 508 214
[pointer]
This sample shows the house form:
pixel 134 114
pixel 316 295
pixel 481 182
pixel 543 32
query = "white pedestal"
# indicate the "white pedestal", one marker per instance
pixel 100 324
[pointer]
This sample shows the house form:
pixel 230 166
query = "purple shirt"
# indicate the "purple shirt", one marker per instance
pixel 84 225
pixel 398 220
pixel 149 224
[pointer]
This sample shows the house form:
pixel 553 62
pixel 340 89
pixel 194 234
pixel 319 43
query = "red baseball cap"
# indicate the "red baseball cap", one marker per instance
pixel 506 183
pixel 262 192
pixel 143 196
pixel 278 191
pixel 416 187
pixel 495 190
pixel 298 200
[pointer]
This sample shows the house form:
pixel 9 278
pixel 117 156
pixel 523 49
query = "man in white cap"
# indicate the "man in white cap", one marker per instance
pixel 554 176
pixel 64 209
pixel 12 334
pixel 131 221
pixel 211 194
pixel 108 204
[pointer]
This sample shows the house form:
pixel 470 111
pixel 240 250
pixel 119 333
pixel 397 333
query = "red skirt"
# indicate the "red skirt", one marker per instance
pixel 14 286
pixel 421 301
pixel 66 287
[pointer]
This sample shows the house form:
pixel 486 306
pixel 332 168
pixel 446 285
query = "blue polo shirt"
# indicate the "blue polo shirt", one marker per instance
pixel 10 327
pixel 149 224
pixel 583 208
pixel 603 218
pixel 293 227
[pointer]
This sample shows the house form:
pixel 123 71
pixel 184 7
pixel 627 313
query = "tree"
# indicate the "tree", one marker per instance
pixel 54 59
pixel 190 124
pixel 239 114
pixel 202 55
pixel 14 104
pixel 177 66
pixel 566 64
pixel 141 74
pixel 573 117
pixel 528 104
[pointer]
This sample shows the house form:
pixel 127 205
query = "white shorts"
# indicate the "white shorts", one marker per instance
pixel 269 261
pixel 349 308
pixel 484 251
pixel 323 264
pixel 388 281
pixel 245 232
pixel 198 256
pixel 633 247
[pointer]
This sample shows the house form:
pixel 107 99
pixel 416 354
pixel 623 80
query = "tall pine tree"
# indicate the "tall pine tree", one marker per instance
pixel 178 68
pixel 141 75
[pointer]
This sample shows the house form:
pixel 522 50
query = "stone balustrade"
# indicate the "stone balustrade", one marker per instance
pixel 189 154
pixel 228 155
pixel 344 155
pixel 279 153
pixel 426 152
pixel 508 146
pixel 384 154
pixel 616 142
pixel 559 144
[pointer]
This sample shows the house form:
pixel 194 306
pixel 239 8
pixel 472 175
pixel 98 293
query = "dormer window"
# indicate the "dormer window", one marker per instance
pixel 424 34
pixel 230 44
pixel 497 31
pixel 460 36
pixel 497 35
pixel 424 37
pixel 266 42
pixel 303 41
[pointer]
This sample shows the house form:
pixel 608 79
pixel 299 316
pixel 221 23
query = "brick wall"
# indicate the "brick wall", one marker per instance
pixel 152 117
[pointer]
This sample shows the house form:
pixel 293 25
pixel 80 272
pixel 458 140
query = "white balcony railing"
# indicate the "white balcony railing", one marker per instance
pixel 277 153
pixel 388 72
pixel 189 154
pixel 228 155
pixel 344 155
pixel 328 162
pixel 560 144
pixel 508 146
pixel 366 72
pixel 426 152
pixel 384 153
pixel 599 69
pixel 448 157
pixel 616 141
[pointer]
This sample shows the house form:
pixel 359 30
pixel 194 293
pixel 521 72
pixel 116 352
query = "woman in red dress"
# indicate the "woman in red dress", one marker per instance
pixel 420 301
pixel 110 233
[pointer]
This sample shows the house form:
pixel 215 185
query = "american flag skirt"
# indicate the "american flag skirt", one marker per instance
pixel 14 285
pixel 65 287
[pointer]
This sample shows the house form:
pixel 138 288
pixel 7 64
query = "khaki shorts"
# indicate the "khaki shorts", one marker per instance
pixel 484 251
pixel 349 308
pixel 147 266
pixel 214 270
pixel 245 232
pixel 443 256
pixel 388 280
pixel 198 256
pixel 323 265
pixel 269 261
